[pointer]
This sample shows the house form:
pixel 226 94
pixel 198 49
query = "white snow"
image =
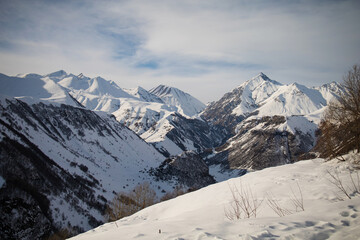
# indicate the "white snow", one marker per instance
pixel 186 104
pixel 293 99
pixel 36 87
pixel 255 91
pixel 271 98
pixel 200 214
pixel 299 123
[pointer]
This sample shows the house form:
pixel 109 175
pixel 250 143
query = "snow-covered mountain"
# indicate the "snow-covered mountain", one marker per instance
pixel 326 212
pixel 186 104
pixel 64 129
pixel 144 95
pixel 71 158
pixel 293 99
pixel 37 87
pixel 61 128
pixel 268 123
pixel 150 114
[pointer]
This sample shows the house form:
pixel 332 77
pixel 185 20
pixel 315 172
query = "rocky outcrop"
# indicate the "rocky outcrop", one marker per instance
pixel 265 142
pixel 187 169
pixel 200 134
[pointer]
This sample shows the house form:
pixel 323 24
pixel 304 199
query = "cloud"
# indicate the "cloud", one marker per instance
pixel 208 45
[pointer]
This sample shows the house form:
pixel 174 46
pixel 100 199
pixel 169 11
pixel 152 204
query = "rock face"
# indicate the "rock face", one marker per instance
pixel 265 142
pixel 192 134
pixel 188 169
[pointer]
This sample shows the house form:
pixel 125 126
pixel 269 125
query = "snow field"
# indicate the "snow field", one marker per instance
pixel 200 215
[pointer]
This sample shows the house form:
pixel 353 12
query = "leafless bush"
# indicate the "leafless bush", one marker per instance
pixel 178 191
pixel 243 203
pixel 297 201
pixel 126 204
pixel 274 204
pixel 349 190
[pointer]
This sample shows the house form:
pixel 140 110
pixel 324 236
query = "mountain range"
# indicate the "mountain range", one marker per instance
pixel 69 143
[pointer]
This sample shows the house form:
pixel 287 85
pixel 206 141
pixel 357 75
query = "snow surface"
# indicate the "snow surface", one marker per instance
pixel 36 87
pixel 187 105
pixel 200 214
pixel 293 99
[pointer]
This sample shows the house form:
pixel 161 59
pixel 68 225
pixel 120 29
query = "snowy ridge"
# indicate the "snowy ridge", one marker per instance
pixel 186 104
pixel 36 87
pixel 330 91
pixel 254 91
pixel 139 109
pixel 293 99
pixel 261 96
pixel 143 95
pixel 200 215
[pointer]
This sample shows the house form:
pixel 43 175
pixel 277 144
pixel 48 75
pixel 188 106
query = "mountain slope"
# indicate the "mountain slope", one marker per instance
pixel 142 111
pixel 201 214
pixel 234 106
pixel 186 104
pixel 144 95
pixel 265 142
pixel 268 124
pixel 149 114
pixel 293 99
pixel 66 163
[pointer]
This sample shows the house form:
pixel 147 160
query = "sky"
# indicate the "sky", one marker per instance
pixel 205 48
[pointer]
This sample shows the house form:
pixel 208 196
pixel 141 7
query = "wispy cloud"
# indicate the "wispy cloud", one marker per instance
pixel 208 45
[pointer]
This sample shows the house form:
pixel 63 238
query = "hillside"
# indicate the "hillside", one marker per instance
pixel 201 214
pixel 61 165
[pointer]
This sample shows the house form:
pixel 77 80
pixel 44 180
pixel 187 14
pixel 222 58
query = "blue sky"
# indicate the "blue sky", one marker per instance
pixel 205 47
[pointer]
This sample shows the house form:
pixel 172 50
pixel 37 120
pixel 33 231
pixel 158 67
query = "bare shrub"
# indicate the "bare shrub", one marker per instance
pixel 62 234
pixel 178 190
pixel 274 204
pixel 126 204
pixel 297 201
pixel 243 203
pixel 348 190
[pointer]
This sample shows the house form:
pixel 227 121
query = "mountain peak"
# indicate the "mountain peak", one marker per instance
pixel 262 76
pixel 57 74
pixel 186 104
pixel 162 90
